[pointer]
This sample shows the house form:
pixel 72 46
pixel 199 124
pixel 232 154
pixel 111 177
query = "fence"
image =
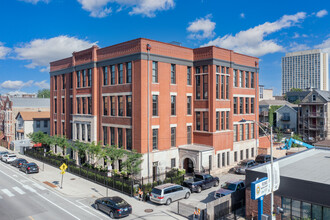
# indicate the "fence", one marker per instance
pixel 187 210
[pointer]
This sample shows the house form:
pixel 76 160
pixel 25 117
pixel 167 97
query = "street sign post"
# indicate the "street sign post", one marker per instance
pixel 259 189
pixel 109 175
pixel 63 167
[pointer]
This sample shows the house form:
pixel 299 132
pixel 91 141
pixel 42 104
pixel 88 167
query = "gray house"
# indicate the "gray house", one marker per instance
pixel 286 118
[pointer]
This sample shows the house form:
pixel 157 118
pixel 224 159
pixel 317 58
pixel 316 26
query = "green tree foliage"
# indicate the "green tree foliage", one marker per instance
pixel 62 142
pixel 297 137
pixel 272 110
pixel 279 134
pixel 43 93
pixel 132 163
pixel 38 137
pixel 295 90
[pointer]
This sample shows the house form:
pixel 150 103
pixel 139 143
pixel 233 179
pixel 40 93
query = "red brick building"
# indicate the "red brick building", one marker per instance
pixel 197 98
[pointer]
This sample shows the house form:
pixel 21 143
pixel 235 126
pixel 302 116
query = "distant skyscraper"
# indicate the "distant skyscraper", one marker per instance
pixel 305 69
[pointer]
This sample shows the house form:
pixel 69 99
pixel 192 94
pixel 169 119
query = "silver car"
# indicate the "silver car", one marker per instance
pixel 167 193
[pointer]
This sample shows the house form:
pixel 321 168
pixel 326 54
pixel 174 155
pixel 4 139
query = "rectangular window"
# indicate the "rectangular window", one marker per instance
pixel 188 105
pixel 247 131
pixel 173 74
pixel 235 133
pixel 129 72
pixel 83 132
pixel 241 105
pixel 217 121
pixel 219 161
pixel 88 132
pixel 227 158
pixel 252 152
pixel 83 105
pixel 154 105
pixel 252 105
pixel 105 75
pixel 120 106
pixel 227 87
pixel 241 78
pixel 173 137
pixel 217 78
pixel 89 99
pixel 198 70
pixel 71 81
pixel 173 163
pixel 129 139
pixel 55 127
pixel 241 153
pixel 205 85
pixel 235 156
pixel 63 105
pixel 173 105
pixel 105 105
pixel 120 137
pixel 198 121
pixel 218 69
pixel 222 69
pixel 241 132
pixel 84 78
pixel 235 105
pixel 223 159
pixel 252 130
pixel 252 80
pixel 63 128
pixel 307 212
pixel 227 120
pixel 247 79
pixel 154 72
pixel 113 105
pixel 78 105
pixel 71 105
pixel 113 74
pixel 227 70
pixel 78 79
pixel 63 81
pixel 129 105
pixel 247 153
pixel 45 123
pixel 154 139
pixel 120 74
pixel 206 121
pixel 105 135
pixel 89 77
pixel 222 87
pixel 112 138
pixel 188 75
pixel 235 78
pixel 198 87
pixel 188 134
pixel 247 104
pixel 222 120
pixel 38 124
pixel 55 82
pixel 205 69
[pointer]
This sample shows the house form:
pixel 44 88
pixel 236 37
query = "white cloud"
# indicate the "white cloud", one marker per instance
pixel 15 85
pixel 325 46
pixel 101 8
pixel 242 15
pixel 297 35
pixel 294 46
pixel 35 1
pixel 253 42
pixel 202 28
pixel 42 84
pixel 321 13
pixel 4 51
pixel 42 51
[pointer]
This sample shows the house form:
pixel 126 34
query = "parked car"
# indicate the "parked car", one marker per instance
pixel 201 182
pixel 18 162
pixel 167 193
pixel 243 165
pixel 263 158
pixel 29 168
pixel 229 188
pixel 3 153
pixel 7 158
pixel 115 206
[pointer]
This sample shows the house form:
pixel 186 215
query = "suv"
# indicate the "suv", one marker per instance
pixel 10 158
pixel 229 188
pixel 3 153
pixel 263 158
pixel 243 165
pixel 167 193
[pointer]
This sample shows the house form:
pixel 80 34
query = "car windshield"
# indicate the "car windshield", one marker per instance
pixel 230 186
pixel 156 191
pixel 12 155
pixel 242 163
pixel 120 202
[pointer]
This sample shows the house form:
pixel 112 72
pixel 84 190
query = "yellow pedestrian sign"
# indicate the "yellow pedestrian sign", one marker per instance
pixel 63 172
pixel 63 167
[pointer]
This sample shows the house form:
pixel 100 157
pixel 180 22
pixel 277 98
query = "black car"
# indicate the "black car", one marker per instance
pixel 115 206
pixel 18 162
pixel 263 158
pixel 201 181
pixel 29 168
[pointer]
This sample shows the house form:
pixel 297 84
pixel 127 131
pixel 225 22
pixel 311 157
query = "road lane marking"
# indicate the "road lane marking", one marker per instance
pixel 29 188
pixel 18 190
pixel 38 186
pixel 7 192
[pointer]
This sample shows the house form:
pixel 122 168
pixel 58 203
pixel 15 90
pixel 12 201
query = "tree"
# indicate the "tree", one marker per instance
pixel 38 137
pixel 81 148
pixel 297 137
pixel 295 90
pixel 132 163
pixel 95 151
pixel 43 93
pixel 62 142
pixel 279 134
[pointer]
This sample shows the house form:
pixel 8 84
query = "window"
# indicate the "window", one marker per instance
pixel 198 87
pixel 172 162
pixel 129 139
pixel 286 205
pixel 228 159
pixel 55 82
pixel 198 121
pixel 235 133
pixel 247 153
pixel 252 105
pixel 45 123
pixel 235 78
pixel 235 105
pixel 120 73
pixel 154 105
pixel 105 105
pixel 89 99
pixel 83 132
pixel 241 105
pixel 173 137
pixel 113 105
pixel 219 161
pixel 241 153
pixel 252 131
pixel 78 79
pixel 38 124
pixel 252 80
pixel 129 105
pixel 71 105
pixel 63 81
pixel 314 98
pixel 241 78
pixel 247 131
pixel 71 81
pixel 188 134
pixel 205 121
pixel 222 120
pixel 247 79
pixel 227 70
pixel 188 75
pixel 84 78
pixel 173 74
pixel 205 89
pixel 227 120
pixel 306 211
pixel 154 139
pixel 55 127
pixel 241 132
pixel 227 87
pixel 198 70
pixel 120 106
pixel 120 137
pixel 222 69
pixel 112 138
pixel 252 152
pixel 129 72
pixel 217 78
pixel 205 69
pixel 217 121
pixel 89 77
pixel 222 87
pixel 78 105
pixel 113 74
pixel 173 103
pixel 105 135
pixel 247 104
pixel 155 72
pixel 235 156
pixel 316 212
pixel 88 132
pixel 223 159
pixel 63 105
pixel 83 105
pixel 188 105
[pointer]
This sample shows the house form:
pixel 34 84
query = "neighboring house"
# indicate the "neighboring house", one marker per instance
pixel 296 97
pixel 286 118
pixel 265 94
pixel 30 122
pixel 313 116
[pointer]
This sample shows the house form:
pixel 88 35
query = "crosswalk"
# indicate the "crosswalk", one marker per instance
pixel 14 191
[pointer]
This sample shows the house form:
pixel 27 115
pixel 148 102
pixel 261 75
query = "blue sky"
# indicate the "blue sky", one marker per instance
pixel 35 32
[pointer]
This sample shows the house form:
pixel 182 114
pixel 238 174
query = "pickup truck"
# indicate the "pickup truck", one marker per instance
pixel 229 188
pixel 201 181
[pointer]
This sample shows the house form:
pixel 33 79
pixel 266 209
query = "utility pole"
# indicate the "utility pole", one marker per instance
pixel 271 173
pixel 148 109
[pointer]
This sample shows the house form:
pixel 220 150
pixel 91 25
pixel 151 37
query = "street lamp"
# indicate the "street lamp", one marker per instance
pixel 271 160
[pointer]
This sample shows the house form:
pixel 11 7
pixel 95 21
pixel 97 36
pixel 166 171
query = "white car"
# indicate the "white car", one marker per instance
pixel 9 158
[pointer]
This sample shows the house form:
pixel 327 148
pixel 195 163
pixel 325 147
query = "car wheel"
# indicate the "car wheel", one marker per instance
pixel 168 201
pixel 97 206
pixel 111 215
pixel 187 195
pixel 199 189
pixel 216 183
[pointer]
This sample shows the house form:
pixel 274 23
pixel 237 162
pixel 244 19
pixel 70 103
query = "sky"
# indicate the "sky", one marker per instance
pixel 36 32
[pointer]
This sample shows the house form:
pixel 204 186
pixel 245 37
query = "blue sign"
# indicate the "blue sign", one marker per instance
pixel 259 188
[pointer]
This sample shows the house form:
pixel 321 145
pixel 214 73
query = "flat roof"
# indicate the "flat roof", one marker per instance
pixel 308 165
pixel 196 147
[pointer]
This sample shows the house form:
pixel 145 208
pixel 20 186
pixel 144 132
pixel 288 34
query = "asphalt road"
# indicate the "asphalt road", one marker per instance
pixel 23 198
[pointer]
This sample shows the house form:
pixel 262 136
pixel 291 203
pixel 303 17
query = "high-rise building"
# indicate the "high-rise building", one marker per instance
pixel 304 70
pixel 197 100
